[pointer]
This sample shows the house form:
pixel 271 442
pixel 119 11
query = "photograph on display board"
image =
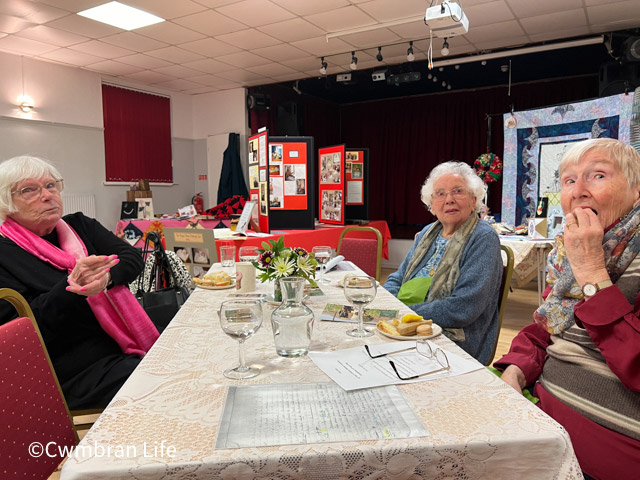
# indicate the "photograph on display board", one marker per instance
pixel 263 175
pixel 347 167
pixel 253 151
pixel 262 150
pixel 330 168
pixel 199 271
pixel 354 193
pixel 253 177
pixel 295 177
pixel 276 153
pixel 200 255
pixel 331 208
pixel 276 193
pixel 274 170
pixel 356 170
pixel 182 253
pixel 289 173
pixel 301 186
pixel 352 156
pixel 263 198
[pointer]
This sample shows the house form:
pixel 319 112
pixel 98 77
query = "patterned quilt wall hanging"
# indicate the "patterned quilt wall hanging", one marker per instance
pixel 534 143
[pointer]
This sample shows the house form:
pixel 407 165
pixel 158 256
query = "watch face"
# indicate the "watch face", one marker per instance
pixel 589 290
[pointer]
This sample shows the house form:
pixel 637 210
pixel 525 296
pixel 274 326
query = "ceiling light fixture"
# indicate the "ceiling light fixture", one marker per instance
pixel 25 103
pixel 121 16
pixel 521 51
pixel 354 61
pixel 410 56
pixel 323 66
pixel 445 48
pixel 379 56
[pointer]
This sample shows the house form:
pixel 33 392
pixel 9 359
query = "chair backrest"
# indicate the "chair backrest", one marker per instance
pixel 364 252
pixel 32 406
pixel 505 285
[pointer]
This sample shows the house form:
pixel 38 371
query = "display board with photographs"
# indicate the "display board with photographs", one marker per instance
pixel 259 172
pixel 196 248
pixel 356 194
pixel 331 171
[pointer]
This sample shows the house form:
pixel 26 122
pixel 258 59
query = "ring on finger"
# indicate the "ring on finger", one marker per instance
pixel 571 223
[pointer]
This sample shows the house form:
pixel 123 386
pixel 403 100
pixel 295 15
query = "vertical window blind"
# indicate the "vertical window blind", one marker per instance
pixel 137 135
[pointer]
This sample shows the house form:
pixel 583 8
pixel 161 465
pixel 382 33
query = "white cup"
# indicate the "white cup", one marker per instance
pixel 248 281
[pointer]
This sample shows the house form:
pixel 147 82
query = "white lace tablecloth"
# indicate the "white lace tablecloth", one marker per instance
pixel 530 259
pixel 479 427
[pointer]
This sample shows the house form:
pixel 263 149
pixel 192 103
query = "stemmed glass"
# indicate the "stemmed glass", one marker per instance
pixel 360 291
pixel 323 255
pixel 240 319
pixel 248 254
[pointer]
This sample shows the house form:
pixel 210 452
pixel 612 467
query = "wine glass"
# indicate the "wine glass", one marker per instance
pixel 248 254
pixel 240 319
pixel 323 255
pixel 360 291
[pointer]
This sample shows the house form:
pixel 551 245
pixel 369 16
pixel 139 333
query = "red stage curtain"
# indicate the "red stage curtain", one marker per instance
pixel 137 135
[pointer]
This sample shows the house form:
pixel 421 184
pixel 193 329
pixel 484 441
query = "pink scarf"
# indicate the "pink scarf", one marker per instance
pixel 117 310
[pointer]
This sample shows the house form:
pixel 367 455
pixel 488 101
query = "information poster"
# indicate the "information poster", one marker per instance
pixel 331 166
pixel 288 176
pixel 354 173
pixel 259 173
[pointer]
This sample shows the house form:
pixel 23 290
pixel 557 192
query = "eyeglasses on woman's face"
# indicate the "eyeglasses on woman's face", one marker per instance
pixel 456 192
pixel 424 349
pixel 30 192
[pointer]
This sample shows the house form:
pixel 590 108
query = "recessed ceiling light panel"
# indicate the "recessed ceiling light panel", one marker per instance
pixel 121 16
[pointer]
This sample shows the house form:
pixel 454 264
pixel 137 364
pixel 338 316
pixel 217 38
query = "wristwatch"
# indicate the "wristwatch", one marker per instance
pixel 590 289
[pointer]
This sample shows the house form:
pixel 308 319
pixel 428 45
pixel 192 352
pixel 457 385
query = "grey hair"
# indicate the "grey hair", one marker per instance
pixel 476 186
pixel 625 156
pixel 16 169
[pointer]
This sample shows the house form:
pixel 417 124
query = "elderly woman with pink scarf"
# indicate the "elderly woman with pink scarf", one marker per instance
pixel 74 274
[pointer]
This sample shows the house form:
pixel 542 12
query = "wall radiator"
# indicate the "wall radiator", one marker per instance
pixel 85 203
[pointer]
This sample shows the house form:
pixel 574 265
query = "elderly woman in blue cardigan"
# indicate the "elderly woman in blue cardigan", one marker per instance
pixel 452 274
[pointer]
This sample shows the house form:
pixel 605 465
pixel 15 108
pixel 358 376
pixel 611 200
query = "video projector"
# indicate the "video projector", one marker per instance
pixel 447 20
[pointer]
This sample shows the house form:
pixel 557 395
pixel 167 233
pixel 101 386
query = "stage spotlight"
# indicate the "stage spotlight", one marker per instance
pixel 354 61
pixel 410 56
pixel 379 56
pixel 445 48
pixel 323 67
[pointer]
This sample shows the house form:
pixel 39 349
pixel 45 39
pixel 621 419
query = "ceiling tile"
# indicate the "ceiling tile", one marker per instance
pixel 385 11
pixel 241 75
pixel 24 46
pixel 295 76
pixel 514 41
pixel 489 13
pixel 341 19
pixel 617 15
pixel 31 11
pixel 305 64
pixel 74 5
pixel 292 30
pixel 209 80
pixel 209 47
pixel 175 55
pixel 528 8
pixel 411 31
pixel 555 35
pixel 10 24
pixel 101 49
pixel 144 61
pixel 45 34
pixel 133 41
pixel 373 37
pixel 179 84
pixel 209 65
pixel 200 90
pixel 311 7
pixel 210 23
pixel 151 77
pixel 320 47
pixel 554 22
pixel 217 3
pixel 167 9
pixel 72 57
pixel 272 69
pixel 113 68
pixel 281 52
pixel 256 12
pixel 178 71
pixel 243 59
pixel 248 39
pixel 169 32
pixel 84 26
pixel 497 31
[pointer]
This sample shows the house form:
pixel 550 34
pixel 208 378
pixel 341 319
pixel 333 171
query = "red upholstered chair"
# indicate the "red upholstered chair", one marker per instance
pixel 366 253
pixel 32 406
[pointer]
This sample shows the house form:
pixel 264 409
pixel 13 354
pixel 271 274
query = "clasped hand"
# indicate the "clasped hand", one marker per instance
pixel 91 274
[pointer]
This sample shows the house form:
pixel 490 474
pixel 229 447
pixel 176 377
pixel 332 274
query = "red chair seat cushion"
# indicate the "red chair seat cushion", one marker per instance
pixel 31 406
pixel 361 251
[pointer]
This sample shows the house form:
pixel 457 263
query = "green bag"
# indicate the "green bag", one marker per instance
pixel 415 290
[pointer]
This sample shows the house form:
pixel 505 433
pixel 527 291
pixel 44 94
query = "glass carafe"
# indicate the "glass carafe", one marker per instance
pixel 292 321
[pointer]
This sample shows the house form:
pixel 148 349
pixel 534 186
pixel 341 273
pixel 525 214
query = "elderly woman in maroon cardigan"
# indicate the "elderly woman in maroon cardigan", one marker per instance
pixel 583 349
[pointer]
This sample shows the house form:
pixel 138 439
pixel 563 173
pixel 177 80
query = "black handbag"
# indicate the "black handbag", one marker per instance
pixel 162 302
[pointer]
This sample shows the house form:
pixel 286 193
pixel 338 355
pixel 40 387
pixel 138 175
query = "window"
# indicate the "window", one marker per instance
pixel 137 135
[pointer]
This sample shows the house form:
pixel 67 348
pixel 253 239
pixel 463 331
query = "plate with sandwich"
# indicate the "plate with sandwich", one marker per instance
pixel 409 327
pixel 217 280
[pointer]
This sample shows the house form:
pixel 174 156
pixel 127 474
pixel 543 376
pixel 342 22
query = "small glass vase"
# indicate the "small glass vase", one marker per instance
pixel 292 321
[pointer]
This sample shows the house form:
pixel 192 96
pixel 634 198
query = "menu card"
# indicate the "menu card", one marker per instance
pixel 294 414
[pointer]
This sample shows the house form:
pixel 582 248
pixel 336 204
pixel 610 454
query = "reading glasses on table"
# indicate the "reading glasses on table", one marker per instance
pixel 422 348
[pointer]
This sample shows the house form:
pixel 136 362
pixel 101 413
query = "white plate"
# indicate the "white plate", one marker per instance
pixel 214 287
pixel 437 330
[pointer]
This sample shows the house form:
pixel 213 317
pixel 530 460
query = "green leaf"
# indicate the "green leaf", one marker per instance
pixel 266 246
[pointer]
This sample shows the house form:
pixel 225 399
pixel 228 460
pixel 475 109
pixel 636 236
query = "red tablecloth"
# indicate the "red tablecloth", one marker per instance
pixel 307 239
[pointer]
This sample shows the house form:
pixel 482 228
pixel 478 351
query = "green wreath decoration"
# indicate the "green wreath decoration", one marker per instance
pixel 488 167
